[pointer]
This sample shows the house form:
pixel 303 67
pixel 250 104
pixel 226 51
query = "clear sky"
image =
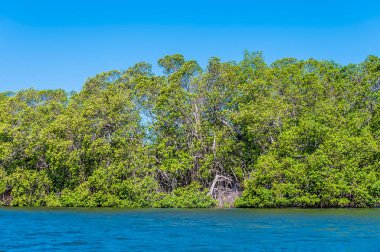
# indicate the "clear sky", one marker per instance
pixel 58 44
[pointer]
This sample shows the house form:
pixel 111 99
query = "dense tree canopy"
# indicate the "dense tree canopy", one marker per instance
pixel 303 133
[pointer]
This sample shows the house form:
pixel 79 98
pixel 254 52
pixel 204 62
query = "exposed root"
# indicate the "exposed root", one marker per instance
pixel 225 190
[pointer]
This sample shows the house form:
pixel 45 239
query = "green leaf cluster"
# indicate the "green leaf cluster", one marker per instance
pixel 295 133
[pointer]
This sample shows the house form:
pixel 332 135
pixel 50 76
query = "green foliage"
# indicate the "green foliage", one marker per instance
pixel 29 188
pixel 190 196
pixel 296 133
pixel 103 191
pixel 3 181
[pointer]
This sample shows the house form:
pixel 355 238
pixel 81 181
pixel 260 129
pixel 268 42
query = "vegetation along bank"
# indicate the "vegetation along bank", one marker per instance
pixel 295 133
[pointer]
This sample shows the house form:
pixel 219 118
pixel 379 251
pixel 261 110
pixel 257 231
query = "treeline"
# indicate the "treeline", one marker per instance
pixel 296 133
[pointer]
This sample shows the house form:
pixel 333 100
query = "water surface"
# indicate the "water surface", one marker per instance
pixel 36 229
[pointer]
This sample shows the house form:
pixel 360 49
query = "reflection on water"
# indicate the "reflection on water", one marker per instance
pixel 34 229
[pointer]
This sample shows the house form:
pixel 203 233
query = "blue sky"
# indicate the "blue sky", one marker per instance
pixel 58 44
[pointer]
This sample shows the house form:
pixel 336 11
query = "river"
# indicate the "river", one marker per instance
pixel 66 229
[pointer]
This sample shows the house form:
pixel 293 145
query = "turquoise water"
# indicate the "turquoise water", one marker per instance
pixel 31 229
